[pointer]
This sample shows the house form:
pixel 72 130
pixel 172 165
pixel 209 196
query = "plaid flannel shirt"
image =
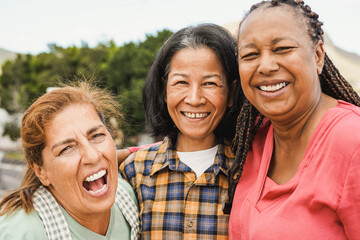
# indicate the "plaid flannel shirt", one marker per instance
pixel 173 203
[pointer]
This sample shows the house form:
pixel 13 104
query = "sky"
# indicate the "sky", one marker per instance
pixel 28 26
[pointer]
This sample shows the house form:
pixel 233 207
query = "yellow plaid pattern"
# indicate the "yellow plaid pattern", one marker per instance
pixel 173 203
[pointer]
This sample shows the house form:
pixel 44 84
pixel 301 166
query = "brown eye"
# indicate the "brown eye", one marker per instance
pixel 98 137
pixel 180 82
pixel 64 150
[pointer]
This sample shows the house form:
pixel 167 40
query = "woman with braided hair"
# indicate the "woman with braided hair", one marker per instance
pixel 298 130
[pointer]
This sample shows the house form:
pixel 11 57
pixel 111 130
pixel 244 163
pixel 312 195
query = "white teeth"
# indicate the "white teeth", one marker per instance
pixel 195 115
pixel 273 88
pixel 95 176
pixel 97 191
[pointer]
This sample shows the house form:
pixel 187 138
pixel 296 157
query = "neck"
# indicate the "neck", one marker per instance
pixel 291 140
pixel 98 224
pixel 187 144
pixel 304 125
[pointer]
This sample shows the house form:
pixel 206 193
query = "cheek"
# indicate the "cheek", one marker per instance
pixel 220 99
pixel 108 150
pixel 246 68
pixel 246 87
pixel 174 97
pixel 63 179
pixel 177 92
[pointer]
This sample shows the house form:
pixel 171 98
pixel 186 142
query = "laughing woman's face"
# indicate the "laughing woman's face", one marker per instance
pixel 279 64
pixel 80 166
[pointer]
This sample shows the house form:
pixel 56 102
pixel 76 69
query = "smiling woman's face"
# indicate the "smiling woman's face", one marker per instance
pixel 80 166
pixel 278 63
pixel 197 95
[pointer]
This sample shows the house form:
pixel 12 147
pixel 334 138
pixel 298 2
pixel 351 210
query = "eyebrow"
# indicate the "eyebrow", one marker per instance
pixel 179 74
pixel 214 75
pixel 69 140
pixel 206 77
pixel 250 45
pixel 274 41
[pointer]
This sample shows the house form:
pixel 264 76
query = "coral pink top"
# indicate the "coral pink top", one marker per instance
pixel 322 200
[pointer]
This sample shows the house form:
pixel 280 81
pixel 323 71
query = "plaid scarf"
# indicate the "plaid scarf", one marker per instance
pixel 54 221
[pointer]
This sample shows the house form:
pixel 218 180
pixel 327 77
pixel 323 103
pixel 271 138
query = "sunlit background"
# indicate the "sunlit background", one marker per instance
pixel 28 26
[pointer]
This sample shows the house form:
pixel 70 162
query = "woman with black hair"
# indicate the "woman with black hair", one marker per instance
pixel 182 183
pixel 298 130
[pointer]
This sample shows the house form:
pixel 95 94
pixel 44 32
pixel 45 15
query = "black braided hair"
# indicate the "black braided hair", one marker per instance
pixel 331 81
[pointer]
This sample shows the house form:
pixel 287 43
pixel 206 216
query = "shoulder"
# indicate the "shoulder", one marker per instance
pixel 145 153
pixel 337 137
pixel 142 159
pixel 343 122
pixel 226 154
pixel 128 188
pixel 20 225
pixel 346 112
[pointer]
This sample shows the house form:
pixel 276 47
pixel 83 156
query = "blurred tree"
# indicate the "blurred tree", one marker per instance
pixel 15 81
pixel 120 69
pixel 12 130
pixel 125 74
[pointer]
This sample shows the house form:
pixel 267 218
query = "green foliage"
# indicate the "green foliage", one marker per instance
pixel 121 69
pixel 125 74
pixel 17 85
pixel 15 156
pixel 12 130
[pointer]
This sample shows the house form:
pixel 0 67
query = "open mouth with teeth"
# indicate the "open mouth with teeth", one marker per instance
pixel 273 88
pixel 96 183
pixel 195 115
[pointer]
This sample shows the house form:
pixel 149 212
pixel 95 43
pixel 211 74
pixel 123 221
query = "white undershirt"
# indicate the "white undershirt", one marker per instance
pixel 199 161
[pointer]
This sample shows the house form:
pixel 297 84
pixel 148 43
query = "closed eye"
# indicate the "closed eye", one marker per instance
pixel 210 84
pixel 249 56
pixel 283 49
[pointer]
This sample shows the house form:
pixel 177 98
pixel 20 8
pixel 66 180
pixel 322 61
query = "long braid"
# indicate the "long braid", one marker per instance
pixel 332 84
pixel 248 121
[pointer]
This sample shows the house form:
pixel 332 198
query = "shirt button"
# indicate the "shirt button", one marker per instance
pixel 190 183
pixel 190 224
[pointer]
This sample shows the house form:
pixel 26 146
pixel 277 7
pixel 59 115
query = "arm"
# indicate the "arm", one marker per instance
pixel 122 154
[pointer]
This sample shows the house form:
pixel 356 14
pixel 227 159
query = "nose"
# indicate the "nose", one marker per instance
pixel 194 96
pixel 90 154
pixel 267 64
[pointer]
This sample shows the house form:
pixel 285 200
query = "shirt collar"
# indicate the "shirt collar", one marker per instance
pixel 167 157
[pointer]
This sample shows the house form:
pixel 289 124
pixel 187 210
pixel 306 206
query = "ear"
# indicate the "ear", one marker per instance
pixel 232 89
pixel 40 173
pixel 319 56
